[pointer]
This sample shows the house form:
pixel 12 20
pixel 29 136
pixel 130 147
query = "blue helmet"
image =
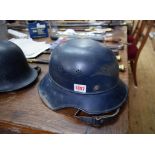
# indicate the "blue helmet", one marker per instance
pixel 83 75
pixel 15 73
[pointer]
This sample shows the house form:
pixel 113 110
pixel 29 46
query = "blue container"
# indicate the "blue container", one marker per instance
pixel 38 29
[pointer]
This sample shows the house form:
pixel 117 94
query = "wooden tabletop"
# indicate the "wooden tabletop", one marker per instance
pixel 23 111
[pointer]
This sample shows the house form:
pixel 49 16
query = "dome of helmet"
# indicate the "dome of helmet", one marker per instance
pixel 15 72
pixel 85 62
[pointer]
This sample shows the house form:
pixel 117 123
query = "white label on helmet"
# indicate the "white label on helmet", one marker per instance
pixel 80 88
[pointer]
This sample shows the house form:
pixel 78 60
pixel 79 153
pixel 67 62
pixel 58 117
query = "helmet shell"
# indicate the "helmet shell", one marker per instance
pixel 15 73
pixel 84 75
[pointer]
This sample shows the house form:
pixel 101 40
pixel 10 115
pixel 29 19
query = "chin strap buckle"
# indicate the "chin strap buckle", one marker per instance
pixel 96 120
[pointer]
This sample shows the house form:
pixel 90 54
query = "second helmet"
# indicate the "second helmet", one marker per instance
pixel 15 73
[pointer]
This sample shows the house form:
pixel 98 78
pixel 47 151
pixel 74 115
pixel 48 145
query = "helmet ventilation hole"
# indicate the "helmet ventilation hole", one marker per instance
pixel 77 70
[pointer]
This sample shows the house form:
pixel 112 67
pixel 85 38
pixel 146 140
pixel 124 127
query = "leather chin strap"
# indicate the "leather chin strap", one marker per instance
pixel 96 120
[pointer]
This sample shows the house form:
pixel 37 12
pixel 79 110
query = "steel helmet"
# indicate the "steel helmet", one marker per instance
pixel 15 72
pixel 84 75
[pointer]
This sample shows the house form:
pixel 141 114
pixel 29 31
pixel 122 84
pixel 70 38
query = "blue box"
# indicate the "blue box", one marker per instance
pixel 38 29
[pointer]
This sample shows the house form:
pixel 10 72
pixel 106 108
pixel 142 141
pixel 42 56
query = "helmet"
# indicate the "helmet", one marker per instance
pixel 15 72
pixel 84 75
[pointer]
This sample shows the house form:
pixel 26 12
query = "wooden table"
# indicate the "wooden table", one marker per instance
pixel 23 111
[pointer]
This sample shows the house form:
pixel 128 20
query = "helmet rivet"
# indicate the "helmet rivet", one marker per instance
pixel 96 87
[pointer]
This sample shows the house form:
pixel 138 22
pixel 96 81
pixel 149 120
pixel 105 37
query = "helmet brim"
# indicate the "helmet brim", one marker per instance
pixel 20 82
pixel 56 97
